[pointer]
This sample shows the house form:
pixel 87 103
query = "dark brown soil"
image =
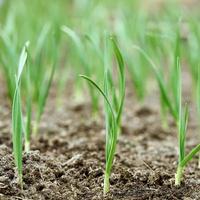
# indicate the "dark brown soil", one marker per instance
pixel 67 159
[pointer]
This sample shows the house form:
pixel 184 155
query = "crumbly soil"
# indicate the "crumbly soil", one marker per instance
pixel 67 159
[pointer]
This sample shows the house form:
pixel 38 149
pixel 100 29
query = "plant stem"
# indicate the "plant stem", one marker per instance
pixel 20 181
pixel 178 175
pixel 27 146
pixel 35 128
pixel 106 183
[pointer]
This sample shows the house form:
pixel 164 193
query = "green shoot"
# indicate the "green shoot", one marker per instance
pixel 17 118
pixel 182 128
pixel 113 106
pixel 17 130
pixel 183 159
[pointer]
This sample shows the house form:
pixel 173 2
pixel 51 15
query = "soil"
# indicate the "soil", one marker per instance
pixel 67 158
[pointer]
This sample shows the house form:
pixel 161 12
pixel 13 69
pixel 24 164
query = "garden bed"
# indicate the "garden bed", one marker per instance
pixel 67 159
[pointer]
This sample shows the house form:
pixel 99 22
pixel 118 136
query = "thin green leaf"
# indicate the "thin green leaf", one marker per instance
pixel 22 60
pixel 17 129
pixel 101 91
pixel 122 78
pixel 189 157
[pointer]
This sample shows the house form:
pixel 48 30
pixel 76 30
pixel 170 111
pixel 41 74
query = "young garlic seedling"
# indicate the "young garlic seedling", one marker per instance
pixel 182 128
pixel 180 117
pixel 17 118
pixel 113 106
